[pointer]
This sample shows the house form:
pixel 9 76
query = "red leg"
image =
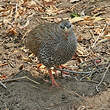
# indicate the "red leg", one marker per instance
pixel 54 83
pixel 62 67
pixel 55 72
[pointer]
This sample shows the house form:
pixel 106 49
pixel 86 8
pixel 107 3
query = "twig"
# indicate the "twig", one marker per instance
pixel 88 75
pixel 37 1
pixel 3 64
pixel 6 108
pixel 84 77
pixel 90 81
pixel 73 72
pixel 73 92
pixel 10 63
pixel 101 34
pixel 82 108
pixel 3 85
pixel 25 34
pixel 15 79
pixel 91 32
pixel 102 78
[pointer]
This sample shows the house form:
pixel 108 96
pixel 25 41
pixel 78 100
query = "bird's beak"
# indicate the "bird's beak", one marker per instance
pixel 66 29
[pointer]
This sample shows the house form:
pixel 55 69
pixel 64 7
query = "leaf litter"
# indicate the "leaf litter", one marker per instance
pixel 18 17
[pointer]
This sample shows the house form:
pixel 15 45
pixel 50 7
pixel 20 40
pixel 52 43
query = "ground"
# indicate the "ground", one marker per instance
pixel 77 91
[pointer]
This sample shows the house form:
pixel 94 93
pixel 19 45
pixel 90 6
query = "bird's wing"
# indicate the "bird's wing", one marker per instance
pixel 41 33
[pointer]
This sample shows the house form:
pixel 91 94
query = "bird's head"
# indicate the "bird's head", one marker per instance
pixel 66 27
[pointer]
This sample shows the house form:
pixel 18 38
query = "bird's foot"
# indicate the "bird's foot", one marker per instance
pixel 56 72
pixel 54 83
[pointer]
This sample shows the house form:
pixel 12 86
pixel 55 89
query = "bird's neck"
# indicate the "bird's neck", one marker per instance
pixel 72 40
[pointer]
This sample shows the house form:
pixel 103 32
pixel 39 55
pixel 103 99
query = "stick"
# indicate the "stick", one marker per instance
pixel 77 72
pixel 102 78
pixel 101 34
pixel 24 77
pixel 3 85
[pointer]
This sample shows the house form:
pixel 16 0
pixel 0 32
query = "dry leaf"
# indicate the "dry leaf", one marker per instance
pixel 80 38
pixel 72 1
pixel 27 59
pixel 97 31
pixel 47 3
pixel 107 36
pixel 12 31
pixel 96 19
pixel 75 19
pixel 81 51
pixel 2 77
pixel 88 18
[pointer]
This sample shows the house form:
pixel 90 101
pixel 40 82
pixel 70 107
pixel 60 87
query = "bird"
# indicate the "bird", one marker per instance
pixel 53 44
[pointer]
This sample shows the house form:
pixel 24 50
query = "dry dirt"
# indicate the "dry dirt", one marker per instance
pixel 73 94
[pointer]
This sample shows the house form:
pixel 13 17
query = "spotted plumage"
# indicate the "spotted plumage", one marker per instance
pixel 53 43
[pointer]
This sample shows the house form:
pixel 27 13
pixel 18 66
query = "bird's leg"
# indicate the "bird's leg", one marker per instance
pixel 62 67
pixel 54 70
pixel 54 83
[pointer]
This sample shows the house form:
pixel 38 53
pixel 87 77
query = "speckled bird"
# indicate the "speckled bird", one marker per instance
pixel 53 44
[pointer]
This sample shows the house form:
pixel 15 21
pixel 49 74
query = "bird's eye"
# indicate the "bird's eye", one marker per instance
pixel 68 26
pixel 62 27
